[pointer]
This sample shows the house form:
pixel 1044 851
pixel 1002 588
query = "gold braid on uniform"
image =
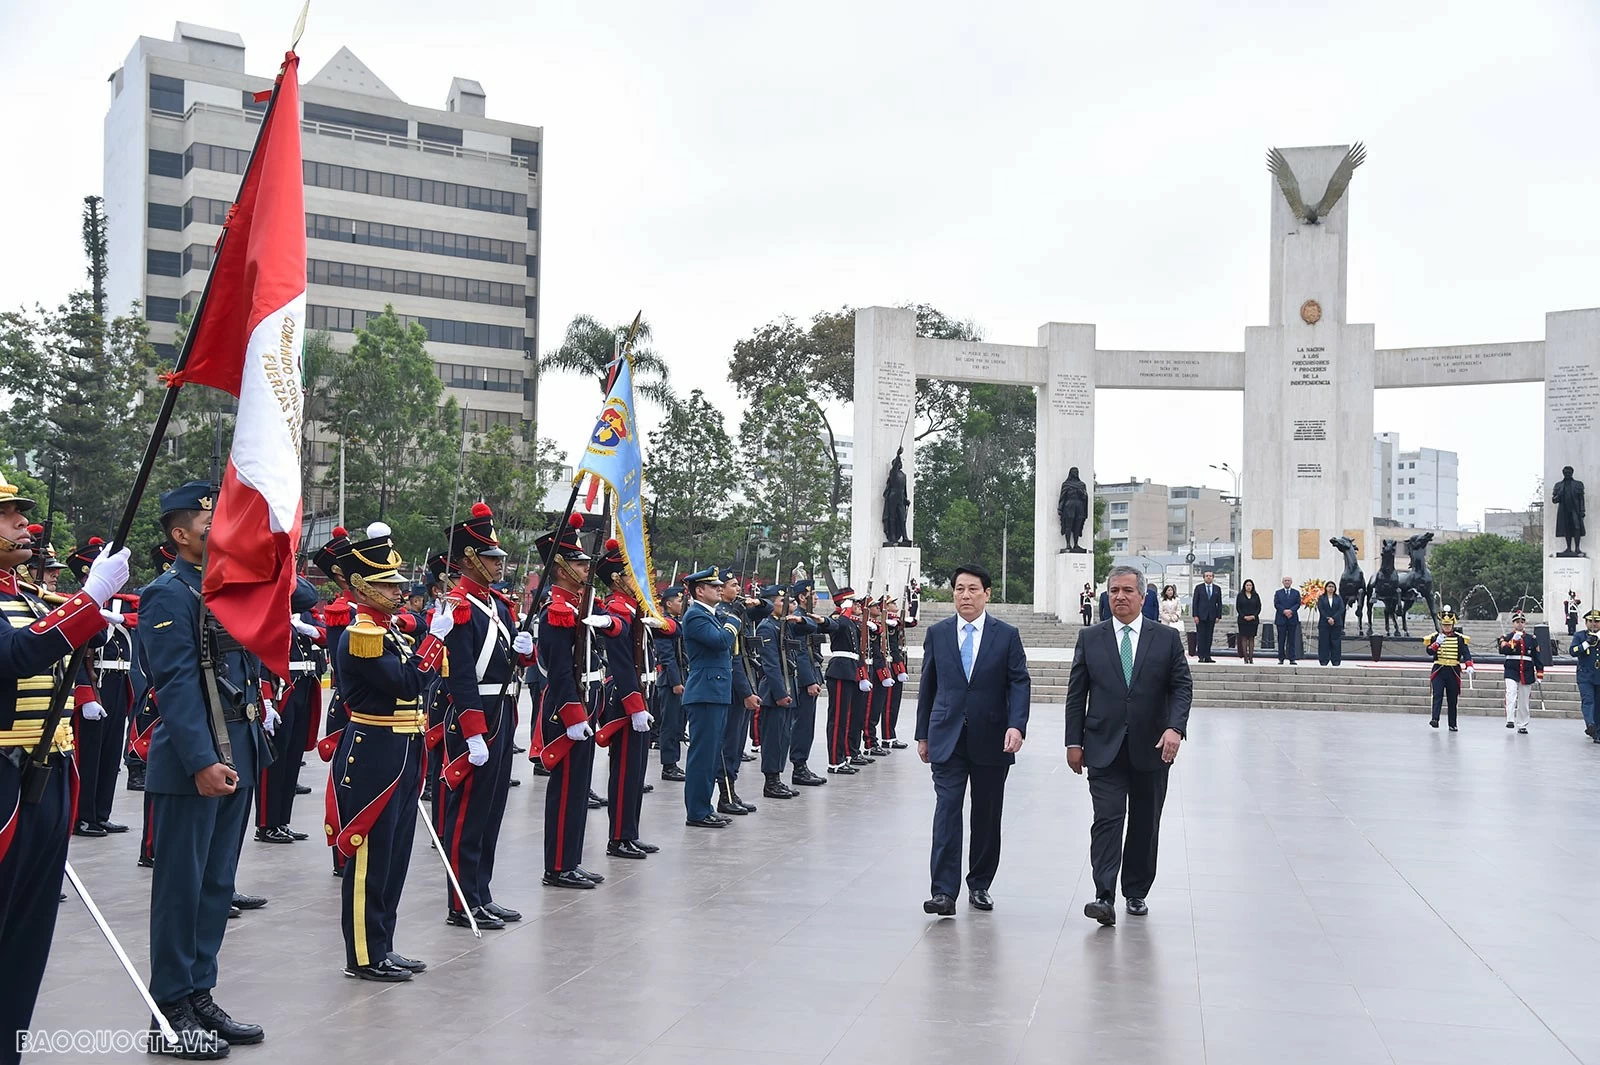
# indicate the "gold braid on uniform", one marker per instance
pixel 366 637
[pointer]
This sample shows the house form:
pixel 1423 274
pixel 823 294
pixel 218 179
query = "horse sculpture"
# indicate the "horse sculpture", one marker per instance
pixel 1414 584
pixel 1385 588
pixel 1353 584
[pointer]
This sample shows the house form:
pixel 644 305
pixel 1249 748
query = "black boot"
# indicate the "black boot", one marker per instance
pixel 775 788
pixel 804 777
pixel 196 1042
pixel 725 802
pixel 672 772
pixel 212 1016
pixel 733 797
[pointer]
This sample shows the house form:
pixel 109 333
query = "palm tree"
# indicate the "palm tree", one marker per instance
pixel 588 347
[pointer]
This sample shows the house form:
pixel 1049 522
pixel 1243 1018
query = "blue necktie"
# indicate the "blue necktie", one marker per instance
pixel 966 648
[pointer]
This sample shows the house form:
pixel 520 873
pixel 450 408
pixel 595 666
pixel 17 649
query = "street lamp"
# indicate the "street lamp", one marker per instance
pixel 343 446
pixel 1234 530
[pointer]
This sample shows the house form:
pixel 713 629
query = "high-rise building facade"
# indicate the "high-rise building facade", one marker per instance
pixel 1414 488
pixel 433 211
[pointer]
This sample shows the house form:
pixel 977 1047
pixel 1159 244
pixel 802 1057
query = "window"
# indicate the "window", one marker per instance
pixel 1119 524
pixel 249 102
pixel 1119 546
pixel 529 150
pixel 533 218
pixel 412 283
pixel 1117 508
pixel 481 421
pixel 168 352
pixel 207 212
pixel 166 164
pixel 530 307
pixel 163 216
pixel 440 134
pixel 439 330
pixel 406 238
pixel 197 257
pixel 160 309
pixel 483 378
pixel 163 263
pixel 166 94
pixel 423 190
pixel 1411 480
pixel 340 116
pixel 532 262
pixel 215 157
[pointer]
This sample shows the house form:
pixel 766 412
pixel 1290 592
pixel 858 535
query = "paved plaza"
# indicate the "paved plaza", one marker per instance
pixel 1334 887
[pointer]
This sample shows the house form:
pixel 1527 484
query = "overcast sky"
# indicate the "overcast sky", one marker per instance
pixel 720 164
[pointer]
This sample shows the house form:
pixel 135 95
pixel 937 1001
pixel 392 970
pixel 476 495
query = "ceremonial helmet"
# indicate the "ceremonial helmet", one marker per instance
pixel 1593 615
pixel 564 542
pixel 326 557
pixel 372 566
pixel 1517 615
pixel 1447 617
pixel 8 494
pixel 611 563
pixel 80 560
pixel 162 556
pixel 437 566
pixel 475 536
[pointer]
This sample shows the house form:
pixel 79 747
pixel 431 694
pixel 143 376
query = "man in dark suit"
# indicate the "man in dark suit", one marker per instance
pixel 1207 609
pixel 972 716
pixel 1286 616
pixel 1105 607
pixel 1330 625
pixel 1127 711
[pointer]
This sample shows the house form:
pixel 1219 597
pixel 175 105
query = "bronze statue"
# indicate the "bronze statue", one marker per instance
pixel 1072 507
pixel 1311 216
pixel 1353 583
pixel 1568 498
pixel 896 504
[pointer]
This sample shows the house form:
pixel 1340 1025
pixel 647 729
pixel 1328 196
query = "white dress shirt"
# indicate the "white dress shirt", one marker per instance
pixel 977 633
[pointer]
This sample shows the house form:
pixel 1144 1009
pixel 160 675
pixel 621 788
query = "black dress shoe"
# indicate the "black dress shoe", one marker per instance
pixel 747 757
pixel 484 918
pixel 515 783
pixel 648 848
pixel 1102 910
pixel 943 905
pixel 88 828
pixel 648 788
pixel 1137 908
pixel 736 809
pixel 596 802
pixel 981 901
pixel 1433 723
pixel 804 777
pixel 1454 729
pixel 273 835
pixel 568 879
pixel 295 835
pixel 112 827
pixel 707 822
pixel 248 902
pixel 136 779
pixel 857 759
pixel 146 863
pixel 1510 725
pixel 385 972
pixel 409 964
pixel 844 770
pixel 517 748
pixel 621 848
pixel 196 1042
pixel 539 770
pixel 505 913
pixel 672 772
pixel 302 789
pixel 214 1017
pixel 596 877
pixel 898 745
pixel 733 794
pixel 234 911
pixel 878 750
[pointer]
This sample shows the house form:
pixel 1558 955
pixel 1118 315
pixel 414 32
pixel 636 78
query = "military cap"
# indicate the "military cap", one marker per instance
pixel 418 590
pixel 437 565
pixel 725 575
pixel 802 587
pixel 194 495
pixel 80 560
pixel 8 494
pixel 701 576
pixel 1517 615
pixel 1593 615
pixel 476 535
pixel 373 560
pixel 671 591
pixel 772 591
pixel 326 557
pixel 304 596
pixel 566 542
pixel 611 563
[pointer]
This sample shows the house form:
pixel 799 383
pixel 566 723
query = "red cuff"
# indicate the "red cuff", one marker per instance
pixel 633 703
pixel 455 771
pixel 77 620
pixel 669 627
pixel 572 713
pixel 131 620
pixel 472 723
pixel 429 653
pixel 83 693
pixel 528 659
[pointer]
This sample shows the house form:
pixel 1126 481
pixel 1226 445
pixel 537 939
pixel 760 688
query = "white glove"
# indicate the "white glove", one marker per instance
pixel 477 750
pixel 523 644
pixel 889 683
pixel 579 732
pixel 598 621
pixel 893 623
pixel 269 724
pixel 641 721
pixel 93 711
pixel 304 628
pixel 872 626
pixel 654 622
pixel 865 685
pixel 107 575
pixel 902 677
pixel 444 619
pixel 112 617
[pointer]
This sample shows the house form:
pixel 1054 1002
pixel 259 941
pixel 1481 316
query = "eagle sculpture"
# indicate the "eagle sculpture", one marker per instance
pixel 1279 166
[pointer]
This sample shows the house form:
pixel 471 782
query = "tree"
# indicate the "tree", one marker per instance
pixel 589 347
pixel 689 475
pixel 1507 569
pixel 1102 547
pixel 513 479
pixel 787 477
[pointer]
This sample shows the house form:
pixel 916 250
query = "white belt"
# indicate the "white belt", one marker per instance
pixel 112 667
pixel 1520 658
pixel 304 667
pixel 594 676
pixel 851 655
pixel 497 687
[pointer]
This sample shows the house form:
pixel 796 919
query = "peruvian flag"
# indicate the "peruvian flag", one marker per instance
pixel 246 340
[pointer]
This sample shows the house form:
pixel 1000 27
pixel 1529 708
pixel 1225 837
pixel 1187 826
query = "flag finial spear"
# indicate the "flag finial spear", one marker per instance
pixel 300 26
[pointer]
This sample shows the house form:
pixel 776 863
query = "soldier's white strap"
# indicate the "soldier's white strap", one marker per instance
pixel 113 665
pixel 851 655
pixel 486 653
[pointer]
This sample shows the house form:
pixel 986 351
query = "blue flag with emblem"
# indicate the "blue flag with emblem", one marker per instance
pixel 613 458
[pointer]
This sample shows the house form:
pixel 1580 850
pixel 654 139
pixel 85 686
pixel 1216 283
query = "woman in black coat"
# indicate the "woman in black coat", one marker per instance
pixel 1247 608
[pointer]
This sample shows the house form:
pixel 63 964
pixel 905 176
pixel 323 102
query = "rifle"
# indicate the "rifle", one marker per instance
pixel 41 551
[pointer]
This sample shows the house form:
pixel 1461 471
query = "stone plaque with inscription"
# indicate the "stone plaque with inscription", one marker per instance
pixel 1310 543
pixel 1260 543
pixel 1359 538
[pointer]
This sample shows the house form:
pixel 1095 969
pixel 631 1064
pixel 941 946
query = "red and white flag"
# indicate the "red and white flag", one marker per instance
pixel 247 341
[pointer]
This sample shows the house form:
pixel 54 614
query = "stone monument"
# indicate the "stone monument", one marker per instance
pixel 1072 507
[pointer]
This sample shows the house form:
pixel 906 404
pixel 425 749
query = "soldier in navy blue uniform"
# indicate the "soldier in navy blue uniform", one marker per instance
pixel 896 626
pixel 625 721
pixel 803 650
pixel 486 654
pixel 671 667
pixel 34 640
pixel 746 613
pixel 146 717
pixel 780 686
pixel 203 762
pixel 1524 664
pixel 1586 649
pixel 564 737
pixel 376 778
pixel 847 680
pixel 300 720
pixel 883 683
pixel 709 636
pixel 102 701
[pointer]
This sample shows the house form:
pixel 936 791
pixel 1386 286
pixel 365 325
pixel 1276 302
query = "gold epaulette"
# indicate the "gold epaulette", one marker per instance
pixel 366 638
pixel 47 597
pixel 1464 637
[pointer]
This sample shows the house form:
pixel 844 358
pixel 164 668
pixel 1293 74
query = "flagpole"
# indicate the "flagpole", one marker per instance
pixel 37 772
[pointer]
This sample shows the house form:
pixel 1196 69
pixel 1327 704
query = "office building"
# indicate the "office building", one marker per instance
pixel 435 211
pixel 1143 517
pixel 1413 488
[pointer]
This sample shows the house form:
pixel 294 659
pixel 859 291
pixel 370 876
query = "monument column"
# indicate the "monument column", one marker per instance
pixel 885 397
pixel 1571 438
pixel 1065 438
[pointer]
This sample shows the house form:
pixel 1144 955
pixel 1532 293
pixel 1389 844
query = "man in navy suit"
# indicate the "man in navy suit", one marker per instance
pixel 1286 615
pixel 1127 711
pixel 972 716
pixel 708 638
pixel 1207 609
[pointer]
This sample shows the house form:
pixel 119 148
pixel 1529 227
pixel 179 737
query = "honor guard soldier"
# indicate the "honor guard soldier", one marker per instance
pixel 437 697
pixel 895 628
pixel 336 617
pixel 708 640
pixel 300 712
pixel 803 652
pixel 486 653
pixel 669 684
pixel 203 763
pixel 101 720
pixel 34 829
pixel 565 733
pixel 1586 649
pixel 745 613
pixel 846 677
pixel 883 683
pixel 145 717
pixel 779 690
pixel 625 718
pixel 371 806
pixel 1451 652
pixel 1523 665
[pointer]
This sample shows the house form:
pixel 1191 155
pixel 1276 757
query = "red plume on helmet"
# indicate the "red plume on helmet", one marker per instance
pixel 339 530
pixel 480 509
pixel 575 521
